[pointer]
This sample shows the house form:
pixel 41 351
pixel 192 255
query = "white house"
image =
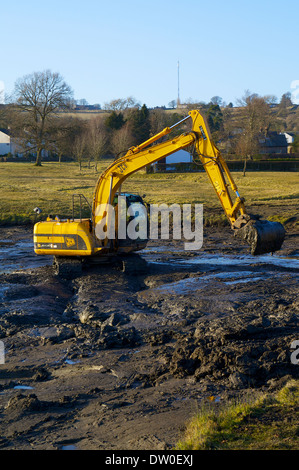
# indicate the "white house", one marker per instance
pixel 9 144
pixel 290 140
pixel 289 136
pixel 5 146
pixel 181 156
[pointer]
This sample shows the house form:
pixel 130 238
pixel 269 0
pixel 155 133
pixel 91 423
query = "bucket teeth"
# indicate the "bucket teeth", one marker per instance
pixel 263 236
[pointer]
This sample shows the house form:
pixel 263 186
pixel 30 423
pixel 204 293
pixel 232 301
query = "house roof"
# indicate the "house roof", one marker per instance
pixel 274 140
pixel 5 131
pixel 289 133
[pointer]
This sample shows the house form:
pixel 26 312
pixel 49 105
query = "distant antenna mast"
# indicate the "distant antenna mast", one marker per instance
pixel 178 101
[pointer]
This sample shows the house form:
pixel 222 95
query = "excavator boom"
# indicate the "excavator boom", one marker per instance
pixel 79 238
pixel 263 236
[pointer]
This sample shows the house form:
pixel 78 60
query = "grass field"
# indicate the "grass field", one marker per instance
pixel 50 187
pixel 268 423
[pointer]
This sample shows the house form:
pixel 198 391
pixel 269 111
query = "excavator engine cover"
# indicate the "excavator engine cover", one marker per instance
pixel 263 236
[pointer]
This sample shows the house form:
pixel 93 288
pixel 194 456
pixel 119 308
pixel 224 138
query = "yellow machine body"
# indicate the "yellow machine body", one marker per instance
pixel 65 238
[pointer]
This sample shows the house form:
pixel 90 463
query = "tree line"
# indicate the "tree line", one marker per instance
pixel 39 117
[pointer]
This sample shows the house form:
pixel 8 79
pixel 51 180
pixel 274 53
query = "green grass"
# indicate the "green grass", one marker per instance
pixel 268 423
pixel 50 187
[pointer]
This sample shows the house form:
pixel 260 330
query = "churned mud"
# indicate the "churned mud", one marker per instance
pixel 119 359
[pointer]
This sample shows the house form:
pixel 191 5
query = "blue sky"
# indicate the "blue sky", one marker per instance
pixel 115 49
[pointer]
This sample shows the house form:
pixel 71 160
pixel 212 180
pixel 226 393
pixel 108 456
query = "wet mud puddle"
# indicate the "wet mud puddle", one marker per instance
pixel 171 274
pixel 19 254
pixel 227 269
pixel 224 269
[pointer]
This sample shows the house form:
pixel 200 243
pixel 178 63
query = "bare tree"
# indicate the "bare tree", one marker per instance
pixel 172 104
pixel 158 120
pixel 79 147
pixel 256 120
pixel 37 98
pixel 64 132
pixel 121 104
pixel 246 146
pixel 256 113
pixel 97 139
pixel 121 140
pixel 217 100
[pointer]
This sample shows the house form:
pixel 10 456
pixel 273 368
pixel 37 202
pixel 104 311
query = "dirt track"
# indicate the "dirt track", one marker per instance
pixel 120 360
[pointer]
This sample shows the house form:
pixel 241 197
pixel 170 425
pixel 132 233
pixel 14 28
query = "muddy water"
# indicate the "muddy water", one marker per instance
pixel 215 282
pixel 225 269
pixel 119 360
pixel 19 254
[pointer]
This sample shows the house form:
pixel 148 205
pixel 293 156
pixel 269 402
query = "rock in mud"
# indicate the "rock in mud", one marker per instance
pixel 113 337
pixel 91 313
pixel 24 403
pixel 238 380
pixel 52 334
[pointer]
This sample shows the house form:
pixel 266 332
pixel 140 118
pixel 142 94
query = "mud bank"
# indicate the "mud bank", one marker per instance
pixel 120 360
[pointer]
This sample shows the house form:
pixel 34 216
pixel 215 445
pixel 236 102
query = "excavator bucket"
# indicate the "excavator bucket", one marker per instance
pixel 263 236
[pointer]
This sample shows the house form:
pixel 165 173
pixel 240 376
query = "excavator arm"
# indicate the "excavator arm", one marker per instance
pixel 263 236
pixel 78 237
pixel 144 154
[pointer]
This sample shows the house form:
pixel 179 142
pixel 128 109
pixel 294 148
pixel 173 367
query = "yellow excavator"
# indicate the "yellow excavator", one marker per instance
pixel 77 238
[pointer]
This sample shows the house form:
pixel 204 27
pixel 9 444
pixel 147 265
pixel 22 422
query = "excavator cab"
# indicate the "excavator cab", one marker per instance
pixel 132 211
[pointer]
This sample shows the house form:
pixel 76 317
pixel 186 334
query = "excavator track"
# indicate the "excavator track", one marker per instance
pixel 133 264
pixel 67 267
